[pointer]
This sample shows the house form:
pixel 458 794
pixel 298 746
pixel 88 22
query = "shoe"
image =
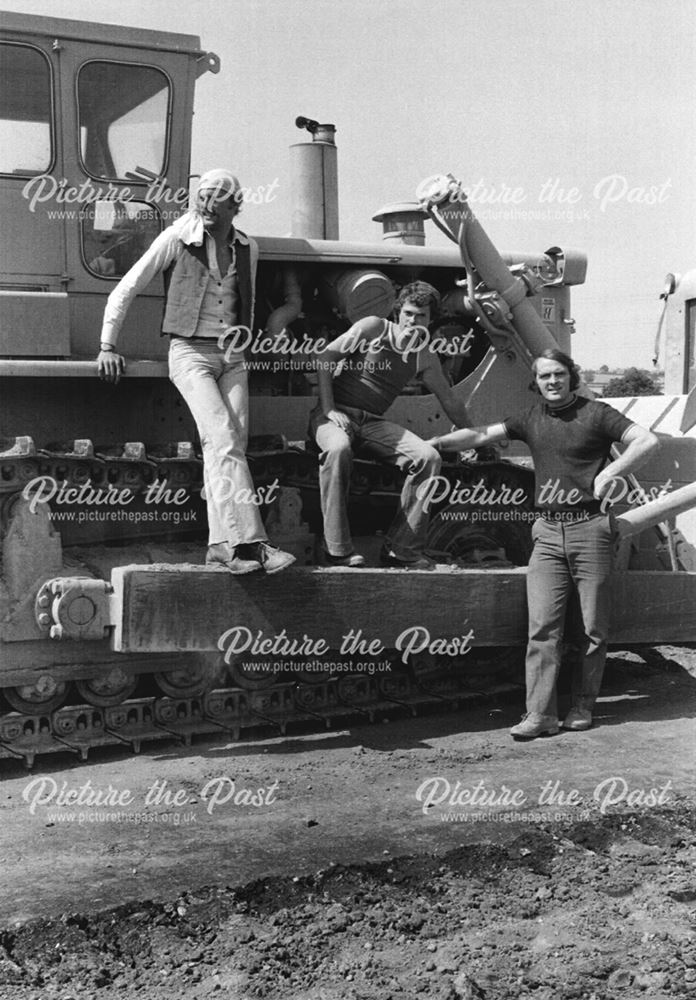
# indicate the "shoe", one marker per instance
pixel 224 554
pixel 271 558
pixel 388 558
pixel 578 720
pixel 529 729
pixel 353 560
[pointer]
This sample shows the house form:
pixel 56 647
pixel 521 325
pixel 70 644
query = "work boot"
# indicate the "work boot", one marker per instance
pixel 578 720
pixel 531 727
pixel 224 554
pixel 353 560
pixel 388 558
pixel 271 558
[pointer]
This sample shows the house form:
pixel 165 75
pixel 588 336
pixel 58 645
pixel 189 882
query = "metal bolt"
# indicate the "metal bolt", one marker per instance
pixel 44 619
pixel 44 600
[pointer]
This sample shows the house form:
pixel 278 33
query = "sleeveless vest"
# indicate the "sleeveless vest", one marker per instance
pixel 371 381
pixel 185 283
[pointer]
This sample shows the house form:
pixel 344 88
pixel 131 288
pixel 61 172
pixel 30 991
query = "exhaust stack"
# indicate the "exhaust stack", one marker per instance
pixel 403 223
pixel 314 171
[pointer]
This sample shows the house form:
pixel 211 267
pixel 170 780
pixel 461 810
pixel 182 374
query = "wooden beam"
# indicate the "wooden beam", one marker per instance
pixel 166 608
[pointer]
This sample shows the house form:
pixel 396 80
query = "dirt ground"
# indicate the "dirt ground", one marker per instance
pixel 430 857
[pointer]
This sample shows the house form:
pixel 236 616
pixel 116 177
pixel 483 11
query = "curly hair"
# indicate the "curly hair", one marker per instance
pixel 555 354
pixel 421 294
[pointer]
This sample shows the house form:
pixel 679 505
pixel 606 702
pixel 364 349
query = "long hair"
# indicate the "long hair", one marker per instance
pixel 561 358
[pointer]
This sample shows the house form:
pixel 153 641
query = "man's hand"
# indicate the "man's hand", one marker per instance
pixel 110 366
pixel 341 420
pixel 602 482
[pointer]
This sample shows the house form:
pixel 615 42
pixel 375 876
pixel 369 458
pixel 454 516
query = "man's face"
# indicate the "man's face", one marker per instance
pixel 412 325
pixel 217 207
pixel 553 381
pixel 411 315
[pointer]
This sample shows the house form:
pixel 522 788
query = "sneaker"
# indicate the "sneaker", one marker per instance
pixel 226 555
pixel 578 720
pixel 389 558
pixel 271 558
pixel 529 728
pixel 353 560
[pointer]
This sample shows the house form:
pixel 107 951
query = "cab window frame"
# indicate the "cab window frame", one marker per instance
pixel 167 118
pixel 117 277
pixel 53 152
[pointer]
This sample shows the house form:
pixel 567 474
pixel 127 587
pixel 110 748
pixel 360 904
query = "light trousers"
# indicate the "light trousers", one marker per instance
pixel 217 394
pixel 372 437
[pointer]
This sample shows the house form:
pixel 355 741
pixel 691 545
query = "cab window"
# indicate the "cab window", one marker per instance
pixel 25 111
pixel 117 233
pixel 123 110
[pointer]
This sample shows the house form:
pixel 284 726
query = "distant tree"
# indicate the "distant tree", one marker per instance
pixel 588 374
pixel 604 369
pixel 633 382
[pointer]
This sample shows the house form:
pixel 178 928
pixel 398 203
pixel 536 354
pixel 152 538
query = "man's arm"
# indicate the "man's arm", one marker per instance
pixel 361 332
pixel 641 443
pixel 466 437
pixel 158 256
pixel 434 380
pixel 470 437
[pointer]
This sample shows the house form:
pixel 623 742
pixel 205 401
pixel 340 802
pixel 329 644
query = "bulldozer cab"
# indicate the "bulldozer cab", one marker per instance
pixel 94 160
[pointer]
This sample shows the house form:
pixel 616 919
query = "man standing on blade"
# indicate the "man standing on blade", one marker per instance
pixel 209 270
pixel 570 439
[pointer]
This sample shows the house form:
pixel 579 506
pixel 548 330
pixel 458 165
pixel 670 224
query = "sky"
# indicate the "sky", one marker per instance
pixel 572 124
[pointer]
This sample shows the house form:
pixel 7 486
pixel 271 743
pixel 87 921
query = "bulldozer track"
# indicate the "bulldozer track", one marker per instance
pixel 238 712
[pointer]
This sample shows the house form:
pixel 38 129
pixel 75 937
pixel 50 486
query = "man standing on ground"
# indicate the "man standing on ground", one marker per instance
pixel 209 269
pixel 379 358
pixel 570 439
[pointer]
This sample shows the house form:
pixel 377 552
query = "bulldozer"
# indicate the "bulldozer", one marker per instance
pixel 112 630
